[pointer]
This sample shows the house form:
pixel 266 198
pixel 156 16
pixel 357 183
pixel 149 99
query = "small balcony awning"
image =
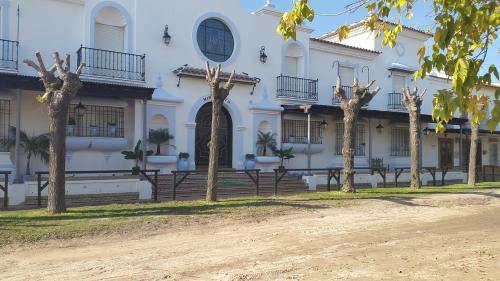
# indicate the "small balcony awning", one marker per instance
pixel 193 72
pixel 395 66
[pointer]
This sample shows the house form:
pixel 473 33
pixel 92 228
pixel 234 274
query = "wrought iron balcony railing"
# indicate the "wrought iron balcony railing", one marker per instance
pixel 111 64
pixel 297 88
pixel 9 53
pixel 395 101
pixel 348 94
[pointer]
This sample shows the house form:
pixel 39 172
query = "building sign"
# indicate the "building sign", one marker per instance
pixel 209 99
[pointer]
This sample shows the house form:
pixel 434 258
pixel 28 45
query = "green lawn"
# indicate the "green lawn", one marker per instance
pixel 27 227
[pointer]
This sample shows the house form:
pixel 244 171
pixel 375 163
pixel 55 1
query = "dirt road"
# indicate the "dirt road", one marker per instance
pixel 445 237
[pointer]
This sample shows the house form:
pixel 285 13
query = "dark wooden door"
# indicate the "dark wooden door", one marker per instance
pixel 203 130
pixel 445 153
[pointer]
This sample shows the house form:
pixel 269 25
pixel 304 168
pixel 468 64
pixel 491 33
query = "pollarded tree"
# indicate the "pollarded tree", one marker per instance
pixel 60 89
pixel 413 103
pixel 361 96
pixel 218 94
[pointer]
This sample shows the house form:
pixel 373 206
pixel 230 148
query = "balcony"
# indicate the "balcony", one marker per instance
pixel 395 102
pixel 348 94
pixel 294 88
pixel 9 52
pixel 112 65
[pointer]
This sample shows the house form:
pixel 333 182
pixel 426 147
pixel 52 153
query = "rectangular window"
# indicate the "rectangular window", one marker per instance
pixel 295 131
pixel 359 140
pixel 96 121
pixel 4 123
pixel 400 141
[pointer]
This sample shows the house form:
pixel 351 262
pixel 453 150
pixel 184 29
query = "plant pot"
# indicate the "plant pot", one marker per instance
pixel 136 170
pixel 112 130
pixel 183 164
pixel 70 129
pixel 93 130
pixel 249 164
pixel 281 168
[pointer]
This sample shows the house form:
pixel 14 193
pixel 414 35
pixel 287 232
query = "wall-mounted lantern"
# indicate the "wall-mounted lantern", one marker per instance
pixel 166 37
pixel 80 109
pixel 380 128
pixel 263 56
pixel 323 125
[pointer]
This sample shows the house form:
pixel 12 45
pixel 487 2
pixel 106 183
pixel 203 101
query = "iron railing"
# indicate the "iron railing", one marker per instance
pixel 111 64
pixel 96 121
pixel 9 54
pixel 295 131
pixel 395 101
pixel 297 88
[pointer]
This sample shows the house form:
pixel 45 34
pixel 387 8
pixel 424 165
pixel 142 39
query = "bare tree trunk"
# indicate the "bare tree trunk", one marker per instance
pixel 350 119
pixel 474 141
pixel 57 164
pixel 59 90
pixel 413 103
pixel 219 94
pixel 360 97
pixel 213 163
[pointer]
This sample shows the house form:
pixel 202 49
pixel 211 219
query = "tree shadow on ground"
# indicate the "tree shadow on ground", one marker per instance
pixel 155 209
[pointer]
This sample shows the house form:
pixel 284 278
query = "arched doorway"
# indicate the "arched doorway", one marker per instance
pixel 225 133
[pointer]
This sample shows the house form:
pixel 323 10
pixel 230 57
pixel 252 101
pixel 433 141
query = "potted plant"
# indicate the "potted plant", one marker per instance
pixel 183 162
pixel 249 163
pixel 160 137
pixel 93 130
pixel 137 155
pixel 112 129
pixel 284 154
pixel 70 127
pixel 265 141
pixel 37 146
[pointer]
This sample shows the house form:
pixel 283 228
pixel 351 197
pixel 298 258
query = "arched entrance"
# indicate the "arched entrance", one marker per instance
pixel 202 139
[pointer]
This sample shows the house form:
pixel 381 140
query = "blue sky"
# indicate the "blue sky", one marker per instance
pixel 325 24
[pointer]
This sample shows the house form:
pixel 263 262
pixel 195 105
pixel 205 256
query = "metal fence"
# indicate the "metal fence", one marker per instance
pixel 297 88
pixel 9 53
pixel 395 101
pixel 111 64
pixel 96 121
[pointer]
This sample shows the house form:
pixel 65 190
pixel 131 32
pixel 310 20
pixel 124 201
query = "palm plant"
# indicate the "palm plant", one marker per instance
pixel 284 154
pixel 265 141
pixel 160 137
pixel 137 155
pixel 37 146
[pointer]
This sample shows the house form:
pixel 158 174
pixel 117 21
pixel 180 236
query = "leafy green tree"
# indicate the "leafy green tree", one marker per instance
pixel 37 146
pixel 159 137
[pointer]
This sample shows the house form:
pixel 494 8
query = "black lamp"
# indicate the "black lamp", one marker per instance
pixel 380 128
pixel 263 56
pixel 80 109
pixel 323 125
pixel 166 36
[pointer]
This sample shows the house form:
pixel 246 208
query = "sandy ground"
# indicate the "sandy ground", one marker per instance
pixel 452 237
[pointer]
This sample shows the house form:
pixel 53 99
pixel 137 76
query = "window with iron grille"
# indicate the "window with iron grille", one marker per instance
pixel 359 140
pixel 96 121
pixel 400 141
pixel 295 131
pixel 4 123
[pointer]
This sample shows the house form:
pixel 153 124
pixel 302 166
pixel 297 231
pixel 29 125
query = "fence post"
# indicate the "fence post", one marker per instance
pixel 329 178
pixel 275 182
pixel 174 186
pixel 492 173
pixel 156 186
pixel 258 179
pixel 39 199
pixel 6 193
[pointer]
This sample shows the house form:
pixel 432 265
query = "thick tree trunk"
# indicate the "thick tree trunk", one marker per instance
pixel 348 150
pixel 360 97
pixel 213 163
pixel 57 163
pixel 413 103
pixel 474 141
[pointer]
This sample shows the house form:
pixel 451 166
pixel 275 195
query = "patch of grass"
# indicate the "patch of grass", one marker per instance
pixel 31 226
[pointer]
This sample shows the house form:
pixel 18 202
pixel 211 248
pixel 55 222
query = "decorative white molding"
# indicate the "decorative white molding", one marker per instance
pixel 161 95
pixel 265 104
pixel 342 50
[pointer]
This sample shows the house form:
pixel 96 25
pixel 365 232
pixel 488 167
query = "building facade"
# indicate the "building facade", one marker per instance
pixel 145 69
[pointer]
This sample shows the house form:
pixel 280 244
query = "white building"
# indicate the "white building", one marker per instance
pixel 135 81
